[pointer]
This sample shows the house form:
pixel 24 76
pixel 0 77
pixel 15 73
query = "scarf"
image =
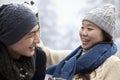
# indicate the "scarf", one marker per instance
pixel 74 63
pixel 22 69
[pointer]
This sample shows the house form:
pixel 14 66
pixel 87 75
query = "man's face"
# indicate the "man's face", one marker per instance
pixel 25 46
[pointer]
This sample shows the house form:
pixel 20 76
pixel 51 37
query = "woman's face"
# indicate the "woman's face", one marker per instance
pixel 90 34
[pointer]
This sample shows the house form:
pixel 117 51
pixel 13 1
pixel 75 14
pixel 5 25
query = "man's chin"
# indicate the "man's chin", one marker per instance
pixel 30 54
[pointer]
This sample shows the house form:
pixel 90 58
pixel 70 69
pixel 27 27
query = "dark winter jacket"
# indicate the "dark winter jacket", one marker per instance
pixel 40 66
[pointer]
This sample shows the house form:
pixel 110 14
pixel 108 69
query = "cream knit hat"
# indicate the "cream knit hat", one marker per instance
pixel 104 17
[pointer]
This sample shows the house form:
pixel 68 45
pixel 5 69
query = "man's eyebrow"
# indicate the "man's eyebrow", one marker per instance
pixel 34 31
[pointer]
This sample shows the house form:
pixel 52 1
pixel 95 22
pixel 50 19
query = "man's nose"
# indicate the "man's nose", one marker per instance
pixel 37 37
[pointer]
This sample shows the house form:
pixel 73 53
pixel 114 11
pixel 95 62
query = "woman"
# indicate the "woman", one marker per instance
pixel 94 59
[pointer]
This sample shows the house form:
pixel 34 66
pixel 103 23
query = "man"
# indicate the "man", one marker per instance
pixel 53 56
pixel 20 58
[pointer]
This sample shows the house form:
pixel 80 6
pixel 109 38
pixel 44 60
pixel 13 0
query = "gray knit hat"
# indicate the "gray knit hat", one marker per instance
pixel 16 21
pixel 104 17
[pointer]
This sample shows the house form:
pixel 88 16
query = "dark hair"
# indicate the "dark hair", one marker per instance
pixel 84 76
pixel 107 38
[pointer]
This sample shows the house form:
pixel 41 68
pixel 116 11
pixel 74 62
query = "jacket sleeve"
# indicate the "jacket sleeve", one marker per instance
pixel 114 71
pixel 53 56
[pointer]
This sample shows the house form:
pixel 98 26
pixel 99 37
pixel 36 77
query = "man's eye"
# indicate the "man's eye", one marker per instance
pixel 31 35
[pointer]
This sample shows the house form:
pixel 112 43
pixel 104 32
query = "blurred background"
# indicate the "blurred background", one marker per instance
pixel 60 20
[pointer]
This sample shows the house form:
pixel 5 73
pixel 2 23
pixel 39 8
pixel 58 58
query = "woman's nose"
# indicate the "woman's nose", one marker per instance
pixel 84 32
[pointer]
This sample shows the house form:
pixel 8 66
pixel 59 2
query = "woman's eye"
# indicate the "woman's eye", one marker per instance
pixel 90 29
pixel 82 27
